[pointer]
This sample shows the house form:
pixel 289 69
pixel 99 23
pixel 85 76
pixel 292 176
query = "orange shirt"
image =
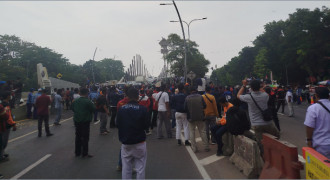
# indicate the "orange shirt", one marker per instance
pixel 225 109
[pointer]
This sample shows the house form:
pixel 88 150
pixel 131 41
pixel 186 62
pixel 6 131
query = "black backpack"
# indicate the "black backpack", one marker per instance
pixel 237 121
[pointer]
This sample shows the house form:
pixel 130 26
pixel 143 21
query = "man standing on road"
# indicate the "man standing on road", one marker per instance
pixel 132 123
pixel 210 112
pixel 83 110
pixel 280 94
pixel 164 113
pixel 317 123
pixel 58 106
pixel 289 100
pixel 29 104
pixel 181 115
pixel 42 104
pixel 195 105
pixel 8 123
pixel 102 108
pixel 113 99
pixel 259 125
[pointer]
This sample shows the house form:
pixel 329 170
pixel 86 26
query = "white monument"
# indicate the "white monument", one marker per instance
pixel 43 80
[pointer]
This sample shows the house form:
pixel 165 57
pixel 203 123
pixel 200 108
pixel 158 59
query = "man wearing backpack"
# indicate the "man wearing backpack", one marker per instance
pixel 220 128
pixel 317 123
pixel 210 112
pixel 257 101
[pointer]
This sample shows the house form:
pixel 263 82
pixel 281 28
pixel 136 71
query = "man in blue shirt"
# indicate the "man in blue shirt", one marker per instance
pixel 29 104
pixel 132 123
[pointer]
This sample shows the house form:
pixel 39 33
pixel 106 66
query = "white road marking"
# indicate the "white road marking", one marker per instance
pixel 31 167
pixel 15 139
pixel 301 159
pixel 210 159
pixel 200 167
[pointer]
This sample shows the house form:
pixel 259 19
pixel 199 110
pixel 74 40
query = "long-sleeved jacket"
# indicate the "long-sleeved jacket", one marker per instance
pixel 132 123
pixel 211 105
pixel 178 102
pixel 9 118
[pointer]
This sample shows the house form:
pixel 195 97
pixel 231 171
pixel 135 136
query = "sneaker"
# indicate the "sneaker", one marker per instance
pixel 96 122
pixel 179 142
pixel 1 176
pixel 104 133
pixel 119 168
pixel 107 131
pixel 148 133
pixel 50 134
pixel 134 171
pixel 213 142
pixel 187 143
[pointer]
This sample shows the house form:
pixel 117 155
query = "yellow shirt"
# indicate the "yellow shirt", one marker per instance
pixel 211 107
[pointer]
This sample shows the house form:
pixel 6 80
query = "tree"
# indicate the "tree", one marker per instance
pixel 196 61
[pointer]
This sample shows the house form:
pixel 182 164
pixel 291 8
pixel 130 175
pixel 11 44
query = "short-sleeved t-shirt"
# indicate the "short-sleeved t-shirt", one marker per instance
pixel 287 96
pixel 318 118
pixel 42 104
pixel 162 100
pixel 254 113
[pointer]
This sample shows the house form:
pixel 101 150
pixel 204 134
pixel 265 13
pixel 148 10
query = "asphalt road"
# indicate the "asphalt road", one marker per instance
pixel 53 157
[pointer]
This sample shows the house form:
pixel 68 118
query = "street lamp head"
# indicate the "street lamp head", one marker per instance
pixel 162 4
pixel 174 21
pixel 204 18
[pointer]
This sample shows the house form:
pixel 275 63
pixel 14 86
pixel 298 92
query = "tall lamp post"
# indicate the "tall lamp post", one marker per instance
pixel 184 38
pixel 188 24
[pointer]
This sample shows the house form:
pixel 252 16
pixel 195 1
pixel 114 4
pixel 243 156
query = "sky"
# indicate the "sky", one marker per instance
pixel 122 29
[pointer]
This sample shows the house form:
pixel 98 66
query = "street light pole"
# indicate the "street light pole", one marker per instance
pixel 184 40
pixel 188 24
pixel 93 65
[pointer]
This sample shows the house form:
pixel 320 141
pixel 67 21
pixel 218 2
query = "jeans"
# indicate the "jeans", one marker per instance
pixel 173 117
pixel 279 104
pixel 113 117
pixel 103 120
pixel 182 122
pixel 218 131
pixel 28 110
pixel 58 114
pixel 163 118
pixel 154 119
pixel 209 122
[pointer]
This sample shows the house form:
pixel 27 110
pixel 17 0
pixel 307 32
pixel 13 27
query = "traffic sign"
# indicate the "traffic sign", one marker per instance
pixel 59 75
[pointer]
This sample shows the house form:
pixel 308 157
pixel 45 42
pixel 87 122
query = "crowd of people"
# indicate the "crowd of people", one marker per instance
pixel 136 111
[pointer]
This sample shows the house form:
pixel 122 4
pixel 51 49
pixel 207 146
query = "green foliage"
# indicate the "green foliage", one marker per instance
pixel 19 59
pixel 196 61
pixel 299 45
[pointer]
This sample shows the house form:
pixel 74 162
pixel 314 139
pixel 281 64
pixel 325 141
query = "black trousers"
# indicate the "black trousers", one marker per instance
pixel 275 118
pixel 279 103
pixel 154 119
pixel 44 118
pixel 82 138
pixel 113 117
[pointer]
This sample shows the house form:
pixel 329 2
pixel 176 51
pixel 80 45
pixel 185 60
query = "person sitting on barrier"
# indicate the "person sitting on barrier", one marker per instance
pixel 259 125
pixel 220 128
pixel 317 123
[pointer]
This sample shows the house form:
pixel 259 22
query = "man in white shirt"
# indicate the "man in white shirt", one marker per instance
pixel 164 113
pixel 289 100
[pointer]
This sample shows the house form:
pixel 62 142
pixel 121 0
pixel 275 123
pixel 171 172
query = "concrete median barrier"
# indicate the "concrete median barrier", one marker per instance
pixel 246 156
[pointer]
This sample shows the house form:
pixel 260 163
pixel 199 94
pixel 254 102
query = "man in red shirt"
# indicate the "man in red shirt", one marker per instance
pixel 42 104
